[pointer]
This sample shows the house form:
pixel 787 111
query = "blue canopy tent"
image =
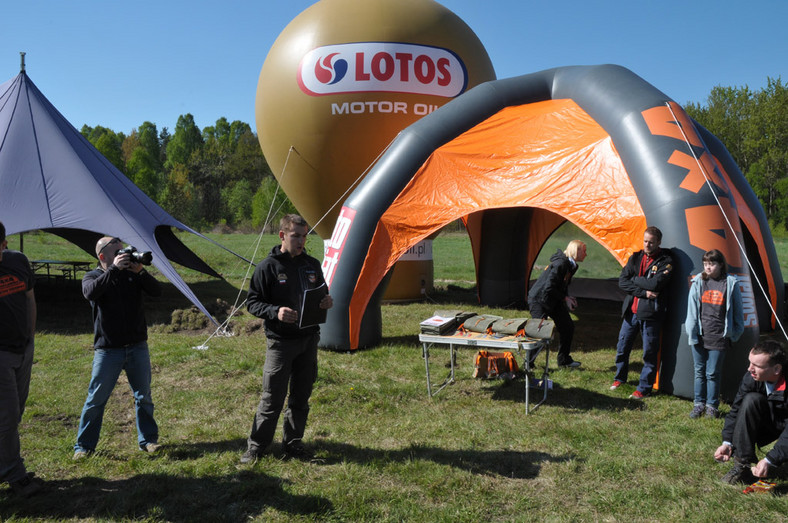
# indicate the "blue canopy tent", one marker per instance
pixel 53 179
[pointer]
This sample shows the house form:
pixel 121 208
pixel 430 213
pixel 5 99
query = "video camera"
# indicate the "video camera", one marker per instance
pixel 144 258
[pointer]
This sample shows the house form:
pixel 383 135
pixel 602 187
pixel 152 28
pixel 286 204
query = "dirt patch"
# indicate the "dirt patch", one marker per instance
pixel 193 320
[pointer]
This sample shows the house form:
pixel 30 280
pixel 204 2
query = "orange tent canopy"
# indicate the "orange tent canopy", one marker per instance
pixel 549 155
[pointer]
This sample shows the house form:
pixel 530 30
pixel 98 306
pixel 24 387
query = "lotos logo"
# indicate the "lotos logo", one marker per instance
pixel 330 71
pixel 382 67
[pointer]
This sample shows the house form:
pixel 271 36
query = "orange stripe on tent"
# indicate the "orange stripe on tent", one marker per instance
pixel 549 155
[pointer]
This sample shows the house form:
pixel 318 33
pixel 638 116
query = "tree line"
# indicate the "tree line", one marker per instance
pixel 753 126
pixel 217 176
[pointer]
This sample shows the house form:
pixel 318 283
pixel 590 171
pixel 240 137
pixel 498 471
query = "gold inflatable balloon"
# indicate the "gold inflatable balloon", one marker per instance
pixel 343 78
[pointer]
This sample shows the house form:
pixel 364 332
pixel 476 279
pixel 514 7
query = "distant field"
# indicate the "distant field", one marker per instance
pixel 452 255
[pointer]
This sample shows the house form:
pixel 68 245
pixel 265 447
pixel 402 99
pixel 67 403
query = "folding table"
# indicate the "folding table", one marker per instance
pixel 526 346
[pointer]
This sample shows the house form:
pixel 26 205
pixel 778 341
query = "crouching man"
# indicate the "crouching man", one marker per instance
pixel 757 417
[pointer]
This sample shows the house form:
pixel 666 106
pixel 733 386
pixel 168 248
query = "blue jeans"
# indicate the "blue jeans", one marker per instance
pixel 107 364
pixel 708 368
pixel 14 387
pixel 649 332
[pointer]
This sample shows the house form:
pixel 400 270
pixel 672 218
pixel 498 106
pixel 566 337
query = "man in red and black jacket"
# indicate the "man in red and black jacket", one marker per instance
pixel 644 278
pixel 757 417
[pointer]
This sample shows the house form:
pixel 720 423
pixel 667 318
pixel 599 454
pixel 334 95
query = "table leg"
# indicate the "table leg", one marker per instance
pixel 527 380
pixel 546 373
pixel 528 376
pixel 449 380
pixel 426 351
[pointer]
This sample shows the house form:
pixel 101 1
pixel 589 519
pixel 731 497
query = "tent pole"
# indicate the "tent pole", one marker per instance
pixel 22 58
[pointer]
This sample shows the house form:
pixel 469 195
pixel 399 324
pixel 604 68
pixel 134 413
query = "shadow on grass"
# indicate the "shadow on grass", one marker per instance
pixel 247 493
pixel 190 451
pixel 235 497
pixel 506 463
pixel 572 397
pixel 511 464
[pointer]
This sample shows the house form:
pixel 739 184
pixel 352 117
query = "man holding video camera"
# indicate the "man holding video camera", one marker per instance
pixel 115 291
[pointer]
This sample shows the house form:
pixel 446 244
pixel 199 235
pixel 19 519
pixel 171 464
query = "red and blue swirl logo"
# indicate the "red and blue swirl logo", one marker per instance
pixel 393 67
pixel 330 71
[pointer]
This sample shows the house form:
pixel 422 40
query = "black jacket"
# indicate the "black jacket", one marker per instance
pixel 778 411
pixel 116 300
pixel 656 279
pixel 552 286
pixel 280 281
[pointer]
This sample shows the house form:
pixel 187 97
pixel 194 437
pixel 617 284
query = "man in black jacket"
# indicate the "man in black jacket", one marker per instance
pixel 757 417
pixel 644 278
pixel 275 294
pixel 120 342
pixel 550 297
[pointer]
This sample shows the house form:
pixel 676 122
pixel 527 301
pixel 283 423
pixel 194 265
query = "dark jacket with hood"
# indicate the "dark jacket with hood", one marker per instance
pixel 552 286
pixel 280 281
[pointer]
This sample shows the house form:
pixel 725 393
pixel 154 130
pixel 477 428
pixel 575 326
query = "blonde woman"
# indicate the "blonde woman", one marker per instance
pixel 550 297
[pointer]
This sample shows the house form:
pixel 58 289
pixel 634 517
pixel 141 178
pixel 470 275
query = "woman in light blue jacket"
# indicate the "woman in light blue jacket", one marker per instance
pixel 715 318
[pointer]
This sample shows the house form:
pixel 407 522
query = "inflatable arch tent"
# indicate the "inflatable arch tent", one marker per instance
pixel 595 145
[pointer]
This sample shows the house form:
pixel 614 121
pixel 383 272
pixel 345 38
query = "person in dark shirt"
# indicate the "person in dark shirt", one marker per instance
pixel 644 278
pixel 275 295
pixel 115 291
pixel 715 319
pixel 550 297
pixel 757 417
pixel 17 335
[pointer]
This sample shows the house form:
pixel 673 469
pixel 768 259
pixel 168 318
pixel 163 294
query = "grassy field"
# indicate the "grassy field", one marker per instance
pixel 389 453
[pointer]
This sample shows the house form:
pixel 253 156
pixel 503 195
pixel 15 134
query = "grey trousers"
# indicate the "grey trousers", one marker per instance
pixel 287 362
pixel 14 387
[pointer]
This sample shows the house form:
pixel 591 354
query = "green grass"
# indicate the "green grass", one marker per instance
pixel 389 452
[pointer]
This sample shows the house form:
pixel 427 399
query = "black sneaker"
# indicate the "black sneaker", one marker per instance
pixel 740 473
pixel 697 411
pixel 250 456
pixel 713 413
pixel 298 451
pixel 26 486
pixel 570 364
